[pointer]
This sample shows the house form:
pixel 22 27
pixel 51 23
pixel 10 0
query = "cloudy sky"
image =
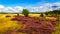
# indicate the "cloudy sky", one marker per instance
pixel 31 5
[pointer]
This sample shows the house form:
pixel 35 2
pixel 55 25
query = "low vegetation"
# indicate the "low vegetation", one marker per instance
pixel 26 23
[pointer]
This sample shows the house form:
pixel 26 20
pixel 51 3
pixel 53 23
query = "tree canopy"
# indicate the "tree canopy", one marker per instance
pixel 25 12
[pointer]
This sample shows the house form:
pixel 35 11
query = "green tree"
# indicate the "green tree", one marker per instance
pixel 41 15
pixel 25 12
pixel 46 13
pixel 17 14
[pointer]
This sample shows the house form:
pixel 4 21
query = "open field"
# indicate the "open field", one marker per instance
pixel 12 24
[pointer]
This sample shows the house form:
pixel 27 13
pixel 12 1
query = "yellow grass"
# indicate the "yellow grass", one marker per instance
pixel 6 23
pixel 51 18
pixel 34 15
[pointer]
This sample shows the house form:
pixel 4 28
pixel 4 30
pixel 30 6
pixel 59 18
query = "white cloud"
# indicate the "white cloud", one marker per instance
pixel 42 8
pixel 16 9
pixel 46 7
pixel 1 6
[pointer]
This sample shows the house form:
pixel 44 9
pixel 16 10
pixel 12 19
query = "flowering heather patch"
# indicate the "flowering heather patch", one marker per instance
pixel 12 24
pixel 34 26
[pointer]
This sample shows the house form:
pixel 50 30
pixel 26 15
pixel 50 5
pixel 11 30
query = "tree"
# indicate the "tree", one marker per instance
pixel 25 12
pixel 17 14
pixel 46 13
pixel 41 15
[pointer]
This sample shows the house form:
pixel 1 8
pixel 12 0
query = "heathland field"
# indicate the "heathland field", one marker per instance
pixel 33 24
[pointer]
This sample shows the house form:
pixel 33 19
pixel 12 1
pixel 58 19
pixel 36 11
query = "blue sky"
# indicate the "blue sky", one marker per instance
pixel 18 2
pixel 25 2
pixel 31 5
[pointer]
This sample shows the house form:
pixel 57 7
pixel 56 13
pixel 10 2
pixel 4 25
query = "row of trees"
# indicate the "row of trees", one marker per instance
pixel 26 12
pixel 54 12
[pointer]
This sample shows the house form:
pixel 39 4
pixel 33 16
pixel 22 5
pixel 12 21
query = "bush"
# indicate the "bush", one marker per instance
pixel 41 15
pixel 25 12
pixel 17 14
pixel 46 13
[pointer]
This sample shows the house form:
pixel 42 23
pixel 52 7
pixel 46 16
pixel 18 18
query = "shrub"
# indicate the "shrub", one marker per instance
pixel 41 15
pixel 25 12
pixel 46 13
